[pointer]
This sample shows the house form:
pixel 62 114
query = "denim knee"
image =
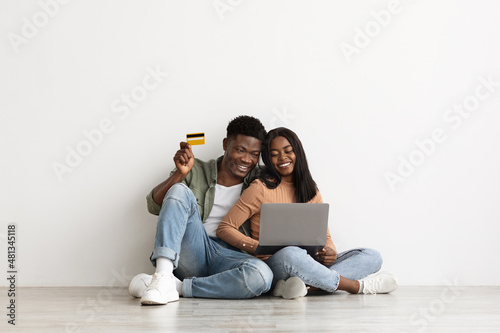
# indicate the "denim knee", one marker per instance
pixel 179 191
pixel 258 276
pixel 375 258
pixel 289 254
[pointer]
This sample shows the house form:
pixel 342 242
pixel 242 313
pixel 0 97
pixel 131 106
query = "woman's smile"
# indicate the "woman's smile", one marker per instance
pixel 283 157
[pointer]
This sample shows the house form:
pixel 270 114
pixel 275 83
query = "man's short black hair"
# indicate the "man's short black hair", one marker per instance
pixel 246 125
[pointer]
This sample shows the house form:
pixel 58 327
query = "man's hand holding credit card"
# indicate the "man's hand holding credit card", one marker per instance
pixel 184 157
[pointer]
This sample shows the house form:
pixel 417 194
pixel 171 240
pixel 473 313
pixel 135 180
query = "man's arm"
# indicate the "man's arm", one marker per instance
pixel 184 161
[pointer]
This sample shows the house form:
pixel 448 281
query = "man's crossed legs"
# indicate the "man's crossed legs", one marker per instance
pixel 207 268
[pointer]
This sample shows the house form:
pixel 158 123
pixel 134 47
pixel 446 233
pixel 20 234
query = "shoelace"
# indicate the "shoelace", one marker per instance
pixel 372 286
pixel 155 281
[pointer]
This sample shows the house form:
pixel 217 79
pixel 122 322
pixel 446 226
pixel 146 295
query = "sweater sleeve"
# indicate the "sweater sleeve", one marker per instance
pixel 247 206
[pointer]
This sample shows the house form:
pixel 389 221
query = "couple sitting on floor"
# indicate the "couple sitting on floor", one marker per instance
pixel 206 214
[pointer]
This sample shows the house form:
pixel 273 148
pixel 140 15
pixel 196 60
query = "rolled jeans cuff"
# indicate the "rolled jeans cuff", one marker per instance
pixel 164 252
pixel 187 287
pixel 338 282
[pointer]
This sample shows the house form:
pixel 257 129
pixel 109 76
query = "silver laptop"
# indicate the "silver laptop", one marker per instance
pixel 292 224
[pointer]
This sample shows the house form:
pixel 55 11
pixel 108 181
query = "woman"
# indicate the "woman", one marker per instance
pixel 287 179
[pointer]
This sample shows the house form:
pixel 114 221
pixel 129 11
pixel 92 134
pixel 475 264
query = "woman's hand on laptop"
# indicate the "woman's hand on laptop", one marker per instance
pixel 327 256
pixel 263 256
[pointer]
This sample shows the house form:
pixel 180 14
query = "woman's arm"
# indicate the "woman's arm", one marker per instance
pixel 328 255
pixel 247 206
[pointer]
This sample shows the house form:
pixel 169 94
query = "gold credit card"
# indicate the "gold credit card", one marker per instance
pixel 195 138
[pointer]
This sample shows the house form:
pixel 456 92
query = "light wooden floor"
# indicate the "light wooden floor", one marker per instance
pixel 408 309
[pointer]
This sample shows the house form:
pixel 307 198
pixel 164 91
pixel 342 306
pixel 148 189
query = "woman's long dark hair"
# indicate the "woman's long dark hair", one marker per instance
pixel 305 187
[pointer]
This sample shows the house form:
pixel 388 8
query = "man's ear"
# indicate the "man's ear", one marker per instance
pixel 224 144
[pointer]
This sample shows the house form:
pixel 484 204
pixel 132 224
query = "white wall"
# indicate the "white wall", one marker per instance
pixel 358 111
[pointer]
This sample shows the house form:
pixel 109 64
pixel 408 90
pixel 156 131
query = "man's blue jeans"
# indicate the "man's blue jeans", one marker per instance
pixel 208 268
pixel 294 261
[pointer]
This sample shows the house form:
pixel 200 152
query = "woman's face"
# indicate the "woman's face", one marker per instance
pixel 283 157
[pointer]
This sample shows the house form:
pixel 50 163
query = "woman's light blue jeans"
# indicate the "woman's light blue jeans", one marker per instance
pixel 294 261
pixel 208 267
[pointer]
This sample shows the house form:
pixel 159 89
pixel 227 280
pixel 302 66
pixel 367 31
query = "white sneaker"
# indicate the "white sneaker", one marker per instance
pixel 161 290
pixel 139 284
pixel 292 288
pixel 379 283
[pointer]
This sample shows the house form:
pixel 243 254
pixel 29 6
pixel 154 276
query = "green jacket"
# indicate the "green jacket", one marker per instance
pixel 201 180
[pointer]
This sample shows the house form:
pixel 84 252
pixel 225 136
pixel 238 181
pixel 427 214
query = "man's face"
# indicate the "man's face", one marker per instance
pixel 241 154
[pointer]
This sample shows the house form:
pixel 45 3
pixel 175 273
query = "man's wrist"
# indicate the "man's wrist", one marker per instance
pixel 179 176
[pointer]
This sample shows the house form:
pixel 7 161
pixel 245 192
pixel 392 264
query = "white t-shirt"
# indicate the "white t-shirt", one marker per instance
pixel 225 198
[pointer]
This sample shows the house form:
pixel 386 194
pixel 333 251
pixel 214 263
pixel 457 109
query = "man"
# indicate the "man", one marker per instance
pixel 190 204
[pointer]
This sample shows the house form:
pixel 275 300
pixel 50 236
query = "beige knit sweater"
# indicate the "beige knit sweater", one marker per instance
pixel 248 207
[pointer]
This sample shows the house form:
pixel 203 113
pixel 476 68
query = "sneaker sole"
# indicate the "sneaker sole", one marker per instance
pixel 173 298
